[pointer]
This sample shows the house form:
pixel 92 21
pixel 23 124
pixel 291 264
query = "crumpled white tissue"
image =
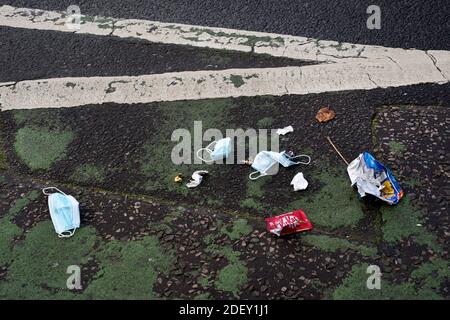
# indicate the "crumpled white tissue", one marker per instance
pixel 285 130
pixel 197 178
pixel 299 182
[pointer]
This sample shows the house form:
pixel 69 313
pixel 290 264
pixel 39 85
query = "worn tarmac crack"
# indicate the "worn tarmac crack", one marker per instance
pixel 360 52
pixel 370 79
pixel 113 28
pixel 390 58
pixel 433 59
pixel 286 89
pixel 341 57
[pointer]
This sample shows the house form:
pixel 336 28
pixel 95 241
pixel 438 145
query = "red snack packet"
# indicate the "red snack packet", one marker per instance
pixel 288 223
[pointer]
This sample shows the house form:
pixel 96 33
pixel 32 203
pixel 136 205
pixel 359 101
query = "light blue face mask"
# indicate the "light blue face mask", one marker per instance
pixel 286 160
pixel 64 211
pixel 265 160
pixel 217 150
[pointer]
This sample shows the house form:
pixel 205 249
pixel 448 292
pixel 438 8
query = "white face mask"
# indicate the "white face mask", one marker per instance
pixel 265 160
pixel 64 212
pixel 222 149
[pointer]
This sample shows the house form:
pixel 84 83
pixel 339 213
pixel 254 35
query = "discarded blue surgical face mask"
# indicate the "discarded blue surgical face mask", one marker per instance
pixel 217 150
pixel 286 160
pixel 64 211
pixel 265 160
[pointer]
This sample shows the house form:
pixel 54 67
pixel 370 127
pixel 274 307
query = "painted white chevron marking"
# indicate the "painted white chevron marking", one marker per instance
pixel 71 92
pixel 344 66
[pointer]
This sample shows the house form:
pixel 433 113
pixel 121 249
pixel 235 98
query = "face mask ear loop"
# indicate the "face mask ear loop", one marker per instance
pixel 302 155
pixel 68 235
pixel 260 175
pixel 44 191
pixel 207 149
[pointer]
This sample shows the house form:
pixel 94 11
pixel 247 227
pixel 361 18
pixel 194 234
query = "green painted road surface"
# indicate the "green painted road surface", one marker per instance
pixel 143 236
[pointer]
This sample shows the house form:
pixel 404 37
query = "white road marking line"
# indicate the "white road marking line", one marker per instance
pixel 193 85
pixel 277 45
pixel 346 66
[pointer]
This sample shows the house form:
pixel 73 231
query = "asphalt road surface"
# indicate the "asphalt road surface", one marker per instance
pixel 113 100
pixel 405 23
pixel 34 54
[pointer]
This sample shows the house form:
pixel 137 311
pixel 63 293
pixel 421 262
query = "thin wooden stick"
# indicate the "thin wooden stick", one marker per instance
pixel 332 144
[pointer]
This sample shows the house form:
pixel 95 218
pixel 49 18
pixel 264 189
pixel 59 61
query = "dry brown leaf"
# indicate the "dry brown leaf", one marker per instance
pixel 325 115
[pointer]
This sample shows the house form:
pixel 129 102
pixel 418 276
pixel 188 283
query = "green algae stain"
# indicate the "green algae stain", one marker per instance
pixel 8 230
pixel 404 220
pixel 335 205
pixel 156 163
pixel 39 263
pixel 232 277
pixel 174 215
pixel 22 203
pixel 413 182
pixel 240 228
pixel 331 244
pixel 354 287
pixel 266 41
pixel 40 147
pixel 255 192
pixel 396 148
pixel 432 275
pixel 265 122
pixel 236 80
pixel 89 173
pixel 203 281
pixel 250 41
pixel 251 204
pixel 256 188
pixel 129 270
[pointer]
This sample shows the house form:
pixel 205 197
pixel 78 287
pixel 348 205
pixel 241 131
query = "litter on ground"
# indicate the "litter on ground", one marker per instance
pixel 197 178
pixel 216 150
pixel 291 222
pixel 325 115
pixel 336 149
pixel 299 182
pixel 265 162
pixel 64 212
pixel 285 130
pixel 372 177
